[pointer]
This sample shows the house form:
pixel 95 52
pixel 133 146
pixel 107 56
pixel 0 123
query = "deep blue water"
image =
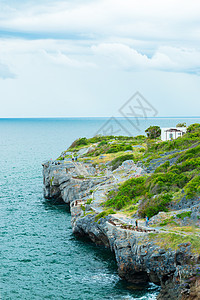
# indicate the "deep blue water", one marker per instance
pixel 41 259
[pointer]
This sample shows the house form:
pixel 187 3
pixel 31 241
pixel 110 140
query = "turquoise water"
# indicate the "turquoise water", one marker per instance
pixel 41 259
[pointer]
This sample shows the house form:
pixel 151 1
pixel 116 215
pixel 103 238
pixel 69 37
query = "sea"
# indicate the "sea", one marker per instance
pixel 40 257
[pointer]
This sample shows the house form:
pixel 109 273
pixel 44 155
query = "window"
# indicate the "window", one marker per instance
pixel 171 136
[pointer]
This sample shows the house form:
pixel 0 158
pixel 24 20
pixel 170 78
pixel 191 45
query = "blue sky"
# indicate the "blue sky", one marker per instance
pixel 86 58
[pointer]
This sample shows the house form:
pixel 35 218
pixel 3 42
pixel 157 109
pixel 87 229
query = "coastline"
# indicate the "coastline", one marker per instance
pixel 140 257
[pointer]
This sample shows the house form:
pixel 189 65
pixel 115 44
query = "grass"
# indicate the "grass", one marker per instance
pixel 168 221
pixel 83 207
pixel 115 163
pixel 51 180
pixel 130 209
pixel 89 201
pixel 184 215
pixel 173 240
pixel 103 214
pixel 188 229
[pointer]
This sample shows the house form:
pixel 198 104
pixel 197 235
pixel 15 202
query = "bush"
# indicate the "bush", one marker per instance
pixel 193 128
pixel 161 182
pixel 115 163
pixel 103 143
pixel 163 167
pixel 127 193
pixel 119 147
pixel 153 132
pixel 104 214
pixel 154 205
pixel 89 201
pixel 192 188
pixel 191 153
pixel 184 215
pixel 181 125
pixel 79 142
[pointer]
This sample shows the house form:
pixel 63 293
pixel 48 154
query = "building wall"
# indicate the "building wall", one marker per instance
pixel 166 136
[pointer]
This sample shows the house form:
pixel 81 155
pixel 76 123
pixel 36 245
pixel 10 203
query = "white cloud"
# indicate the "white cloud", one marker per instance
pixel 65 60
pixel 5 72
pixel 144 19
pixel 165 58
pixel 75 54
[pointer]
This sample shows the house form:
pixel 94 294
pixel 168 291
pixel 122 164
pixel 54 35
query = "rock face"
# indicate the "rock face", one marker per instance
pixel 63 181
pixel 138 257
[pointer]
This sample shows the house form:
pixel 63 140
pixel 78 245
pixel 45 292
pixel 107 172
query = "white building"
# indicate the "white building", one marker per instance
pixel 172 133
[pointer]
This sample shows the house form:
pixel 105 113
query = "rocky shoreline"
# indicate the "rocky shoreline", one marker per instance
pixel 139 258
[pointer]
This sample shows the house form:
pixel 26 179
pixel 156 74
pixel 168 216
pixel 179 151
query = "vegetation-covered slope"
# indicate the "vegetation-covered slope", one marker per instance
pixel 168 182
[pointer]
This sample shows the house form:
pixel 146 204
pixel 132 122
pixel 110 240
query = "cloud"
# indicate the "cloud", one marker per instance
pixel 65 60
pixel 164 59
pixel 165 20
pixel 127 34
pixel 5 72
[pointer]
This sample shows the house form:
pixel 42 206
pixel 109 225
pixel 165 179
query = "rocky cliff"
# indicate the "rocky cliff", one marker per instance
pixel 139 256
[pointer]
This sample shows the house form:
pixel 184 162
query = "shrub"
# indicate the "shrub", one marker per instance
pixel 83 207
pixel 181 125
pixel 119 147
pixel 192 188
pixel 184 215
pixel 154 205
pixel 163 167
pixel 127 193
pixel 191 153
pixel 161 182
pixel 115 163
pixel 89 201
pixel 104 214
pixel 153 132
pixel 79 142
pixel 193 128
pixel 103 143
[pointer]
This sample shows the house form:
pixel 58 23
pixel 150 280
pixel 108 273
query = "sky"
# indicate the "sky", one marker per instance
pixel 86 58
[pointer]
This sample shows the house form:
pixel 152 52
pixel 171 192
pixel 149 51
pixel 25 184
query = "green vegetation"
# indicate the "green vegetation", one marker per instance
pixel 60 158
pixel 127 193
pixel 51 180
pixel 156 191
pixel 154 205
pixel 89 201
pixel 181 125
pixel 83 207
pixel 119 147
pixel 103 214
pixel 79 142
pixel 189 154
pixel 153 132
pixel 80 176
pixel 173 240
pixel 184 215
pixel 169 221
pixel 191 138
pixel 192 188
pixel 107 144
pixel 115 163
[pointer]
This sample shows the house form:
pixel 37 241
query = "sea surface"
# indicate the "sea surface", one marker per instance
pixel 40 257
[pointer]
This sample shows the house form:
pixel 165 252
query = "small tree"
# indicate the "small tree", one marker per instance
pixel 153 132
pixel 194 128
pixel 181 125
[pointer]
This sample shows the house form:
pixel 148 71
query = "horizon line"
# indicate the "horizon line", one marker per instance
pixel 84 117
